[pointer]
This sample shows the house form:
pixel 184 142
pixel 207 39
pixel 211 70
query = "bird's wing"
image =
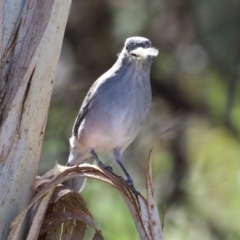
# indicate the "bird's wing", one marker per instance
pixel 82 113
pixel 88 100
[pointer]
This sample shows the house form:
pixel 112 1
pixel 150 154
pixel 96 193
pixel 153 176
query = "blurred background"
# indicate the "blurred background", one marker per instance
pixel 194 123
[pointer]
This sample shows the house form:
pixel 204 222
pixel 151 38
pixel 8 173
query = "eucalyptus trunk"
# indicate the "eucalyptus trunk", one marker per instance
pixel 31 33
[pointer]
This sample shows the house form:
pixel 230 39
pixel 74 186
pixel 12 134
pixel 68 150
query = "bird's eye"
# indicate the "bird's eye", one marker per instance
pixel 134 54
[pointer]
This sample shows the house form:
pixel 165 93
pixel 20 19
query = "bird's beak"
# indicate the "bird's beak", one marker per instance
pixel 143 53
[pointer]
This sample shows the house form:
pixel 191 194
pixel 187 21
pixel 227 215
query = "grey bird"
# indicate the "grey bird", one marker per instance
pixel 114 109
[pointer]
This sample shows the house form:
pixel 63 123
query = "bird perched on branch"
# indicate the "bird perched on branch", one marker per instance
pixel 114 109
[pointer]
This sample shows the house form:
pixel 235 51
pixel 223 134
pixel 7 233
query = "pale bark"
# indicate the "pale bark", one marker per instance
pixel 31 33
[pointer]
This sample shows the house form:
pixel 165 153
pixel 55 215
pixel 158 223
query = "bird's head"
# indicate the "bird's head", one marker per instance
pixel 138 50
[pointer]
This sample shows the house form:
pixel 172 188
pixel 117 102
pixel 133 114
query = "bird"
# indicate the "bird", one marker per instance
pixel 113 110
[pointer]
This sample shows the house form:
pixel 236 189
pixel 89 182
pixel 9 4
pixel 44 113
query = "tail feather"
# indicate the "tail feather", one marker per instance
pixel 77 184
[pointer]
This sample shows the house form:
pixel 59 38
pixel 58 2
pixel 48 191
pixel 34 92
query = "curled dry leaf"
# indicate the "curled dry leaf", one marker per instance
pixel 153 215
pixel 39 215
pixel 34 229
pixel 67 216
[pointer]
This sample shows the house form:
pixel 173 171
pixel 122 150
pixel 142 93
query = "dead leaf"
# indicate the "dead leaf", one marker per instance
pixel 67 216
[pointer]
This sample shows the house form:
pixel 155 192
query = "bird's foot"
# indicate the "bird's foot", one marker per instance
pixel 107 168
pixel 100 163
pixel 131 185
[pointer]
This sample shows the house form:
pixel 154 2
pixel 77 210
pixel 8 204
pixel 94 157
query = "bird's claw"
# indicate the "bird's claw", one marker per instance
pixel 131 185
pixel 108 168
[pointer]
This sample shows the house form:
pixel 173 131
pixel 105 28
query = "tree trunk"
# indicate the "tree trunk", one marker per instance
pixel 31 33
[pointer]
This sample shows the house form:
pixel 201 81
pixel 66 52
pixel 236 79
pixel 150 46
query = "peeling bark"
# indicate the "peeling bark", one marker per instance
pixel 31 33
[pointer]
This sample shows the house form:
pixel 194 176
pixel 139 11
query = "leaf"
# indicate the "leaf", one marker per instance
pixel 18 221
pixel 67 208
pixel 154 220
pixel 67 216
pixel 39 215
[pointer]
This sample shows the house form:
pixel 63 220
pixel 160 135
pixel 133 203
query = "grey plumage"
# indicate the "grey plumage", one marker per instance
pixel 114 108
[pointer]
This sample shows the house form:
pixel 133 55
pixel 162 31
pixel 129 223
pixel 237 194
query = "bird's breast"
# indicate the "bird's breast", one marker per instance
pixel 118 112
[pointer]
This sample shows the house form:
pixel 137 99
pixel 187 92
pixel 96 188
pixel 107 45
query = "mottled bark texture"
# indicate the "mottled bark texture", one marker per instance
pixel 31 33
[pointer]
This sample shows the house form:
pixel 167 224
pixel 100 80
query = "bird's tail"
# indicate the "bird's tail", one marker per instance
pixel 77 184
